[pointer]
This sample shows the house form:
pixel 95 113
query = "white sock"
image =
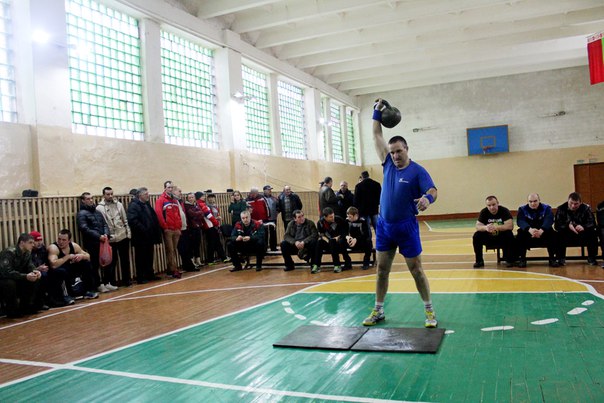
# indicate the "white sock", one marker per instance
pixel 428 306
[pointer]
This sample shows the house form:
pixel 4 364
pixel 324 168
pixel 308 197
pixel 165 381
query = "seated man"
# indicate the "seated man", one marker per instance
pixel 576 225
pixel 331 229
pixel 300 238
pixel 19 278
pixel 494 229
pixel 70 256
pixel 358 237
pixel 247 239
pixel 52 284
pixel 535 221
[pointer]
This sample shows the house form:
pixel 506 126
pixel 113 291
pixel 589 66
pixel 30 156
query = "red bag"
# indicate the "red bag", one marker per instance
pixel 105 254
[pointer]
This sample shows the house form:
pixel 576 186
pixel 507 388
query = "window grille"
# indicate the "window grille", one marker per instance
pixel 352 155
pixel 336 134
pixel 321 136
pixel 188 85
pixel 104 69
pixel 257 120
pixel 292 120
pixel 8 98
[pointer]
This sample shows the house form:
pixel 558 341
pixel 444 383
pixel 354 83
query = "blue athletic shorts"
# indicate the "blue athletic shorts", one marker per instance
pixel 404 234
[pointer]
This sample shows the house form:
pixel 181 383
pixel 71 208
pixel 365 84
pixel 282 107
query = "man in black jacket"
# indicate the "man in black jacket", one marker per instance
pixel 288 203
pixel 331 229
pixel 94 230
pixel 576 225
pixel 146 232
pixel 367 198
pixel 536 228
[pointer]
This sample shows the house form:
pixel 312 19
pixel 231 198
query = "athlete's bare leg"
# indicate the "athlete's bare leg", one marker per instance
pixel 421 281
pixel 384 265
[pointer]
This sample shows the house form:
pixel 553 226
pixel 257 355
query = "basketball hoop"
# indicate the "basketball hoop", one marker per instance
pixel 486 149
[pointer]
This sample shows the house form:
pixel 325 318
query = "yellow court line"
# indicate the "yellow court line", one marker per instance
pixel 460 281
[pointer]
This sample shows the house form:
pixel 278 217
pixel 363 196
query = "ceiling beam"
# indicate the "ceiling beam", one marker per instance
pixel 492 68
pixel 451 36
pixel 478 44
pixel 412 19
pixel 216 8
pixel 285 13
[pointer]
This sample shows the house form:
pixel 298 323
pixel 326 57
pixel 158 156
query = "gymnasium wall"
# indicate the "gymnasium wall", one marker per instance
pixel 544 143
pixel 56 161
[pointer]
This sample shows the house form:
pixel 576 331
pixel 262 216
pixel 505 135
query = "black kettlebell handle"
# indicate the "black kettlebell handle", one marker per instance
pixel 386 104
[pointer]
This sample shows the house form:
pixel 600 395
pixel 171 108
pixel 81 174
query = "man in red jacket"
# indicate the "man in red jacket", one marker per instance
pixel 168 214
pixel 258 205
pixel 211 229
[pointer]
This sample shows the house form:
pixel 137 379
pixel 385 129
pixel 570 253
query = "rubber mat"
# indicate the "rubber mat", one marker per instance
pixel 323 337
pixel 402 340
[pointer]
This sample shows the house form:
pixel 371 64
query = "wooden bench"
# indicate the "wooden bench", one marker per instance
pixel 583 255
pixel 372 260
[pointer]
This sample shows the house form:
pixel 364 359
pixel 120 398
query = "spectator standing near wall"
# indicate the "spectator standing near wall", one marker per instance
pixel 167 210
pixel 367 198
pixel 119 235
pixel 345 199
pixel 146 232
pixel 327 197
pixel 270 226
pixel 94 230
pixel 288 203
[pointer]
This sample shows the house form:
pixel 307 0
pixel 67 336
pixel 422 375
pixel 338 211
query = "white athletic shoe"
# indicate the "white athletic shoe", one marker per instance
pixel 431 321
pixel 103 288
pixel 111 287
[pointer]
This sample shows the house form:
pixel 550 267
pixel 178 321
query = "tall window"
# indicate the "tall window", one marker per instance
pixel 257 121
pixel 188 92
pixel 322 135
pixel 291 119
pixel 352 155
pixel 104 68
pixel 337 151
pixel 8 104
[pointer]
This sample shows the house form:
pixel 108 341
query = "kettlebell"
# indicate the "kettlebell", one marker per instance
pixel 391 116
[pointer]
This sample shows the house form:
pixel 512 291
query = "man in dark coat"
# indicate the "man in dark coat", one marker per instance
pixel 367 198
pixel 288 203
pixel 94 230
pixel 146 232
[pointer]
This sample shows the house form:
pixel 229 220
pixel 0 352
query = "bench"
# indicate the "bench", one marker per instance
pixel 583 255
pixel 269 253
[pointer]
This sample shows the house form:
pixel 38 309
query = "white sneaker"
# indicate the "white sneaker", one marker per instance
pixel 102 288
pixel 111 287
pixel 431 321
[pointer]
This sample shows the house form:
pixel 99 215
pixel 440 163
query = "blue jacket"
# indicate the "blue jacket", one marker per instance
pixel 540 218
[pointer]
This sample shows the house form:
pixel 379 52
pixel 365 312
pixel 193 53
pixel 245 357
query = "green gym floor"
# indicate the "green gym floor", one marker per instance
pixel 511 336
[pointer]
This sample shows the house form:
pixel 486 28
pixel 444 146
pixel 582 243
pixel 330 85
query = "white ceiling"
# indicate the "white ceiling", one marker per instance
pixel 372 46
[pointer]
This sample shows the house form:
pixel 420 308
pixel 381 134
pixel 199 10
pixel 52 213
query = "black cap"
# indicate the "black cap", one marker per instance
pixel 267 187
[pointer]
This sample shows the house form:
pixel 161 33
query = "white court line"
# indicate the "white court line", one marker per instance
pixel 192 382
pixel 590 288
pixel 67 309
pixel 247 287
pixel 427 225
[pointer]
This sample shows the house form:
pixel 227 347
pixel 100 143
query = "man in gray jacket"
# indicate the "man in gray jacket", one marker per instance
pixel 301 238
pixel 119 235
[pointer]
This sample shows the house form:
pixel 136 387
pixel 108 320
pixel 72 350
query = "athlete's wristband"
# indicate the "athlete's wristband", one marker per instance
pixel 377 115
pixel 429 197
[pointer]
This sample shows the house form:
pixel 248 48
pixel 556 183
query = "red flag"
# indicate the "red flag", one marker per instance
pixel 595 44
